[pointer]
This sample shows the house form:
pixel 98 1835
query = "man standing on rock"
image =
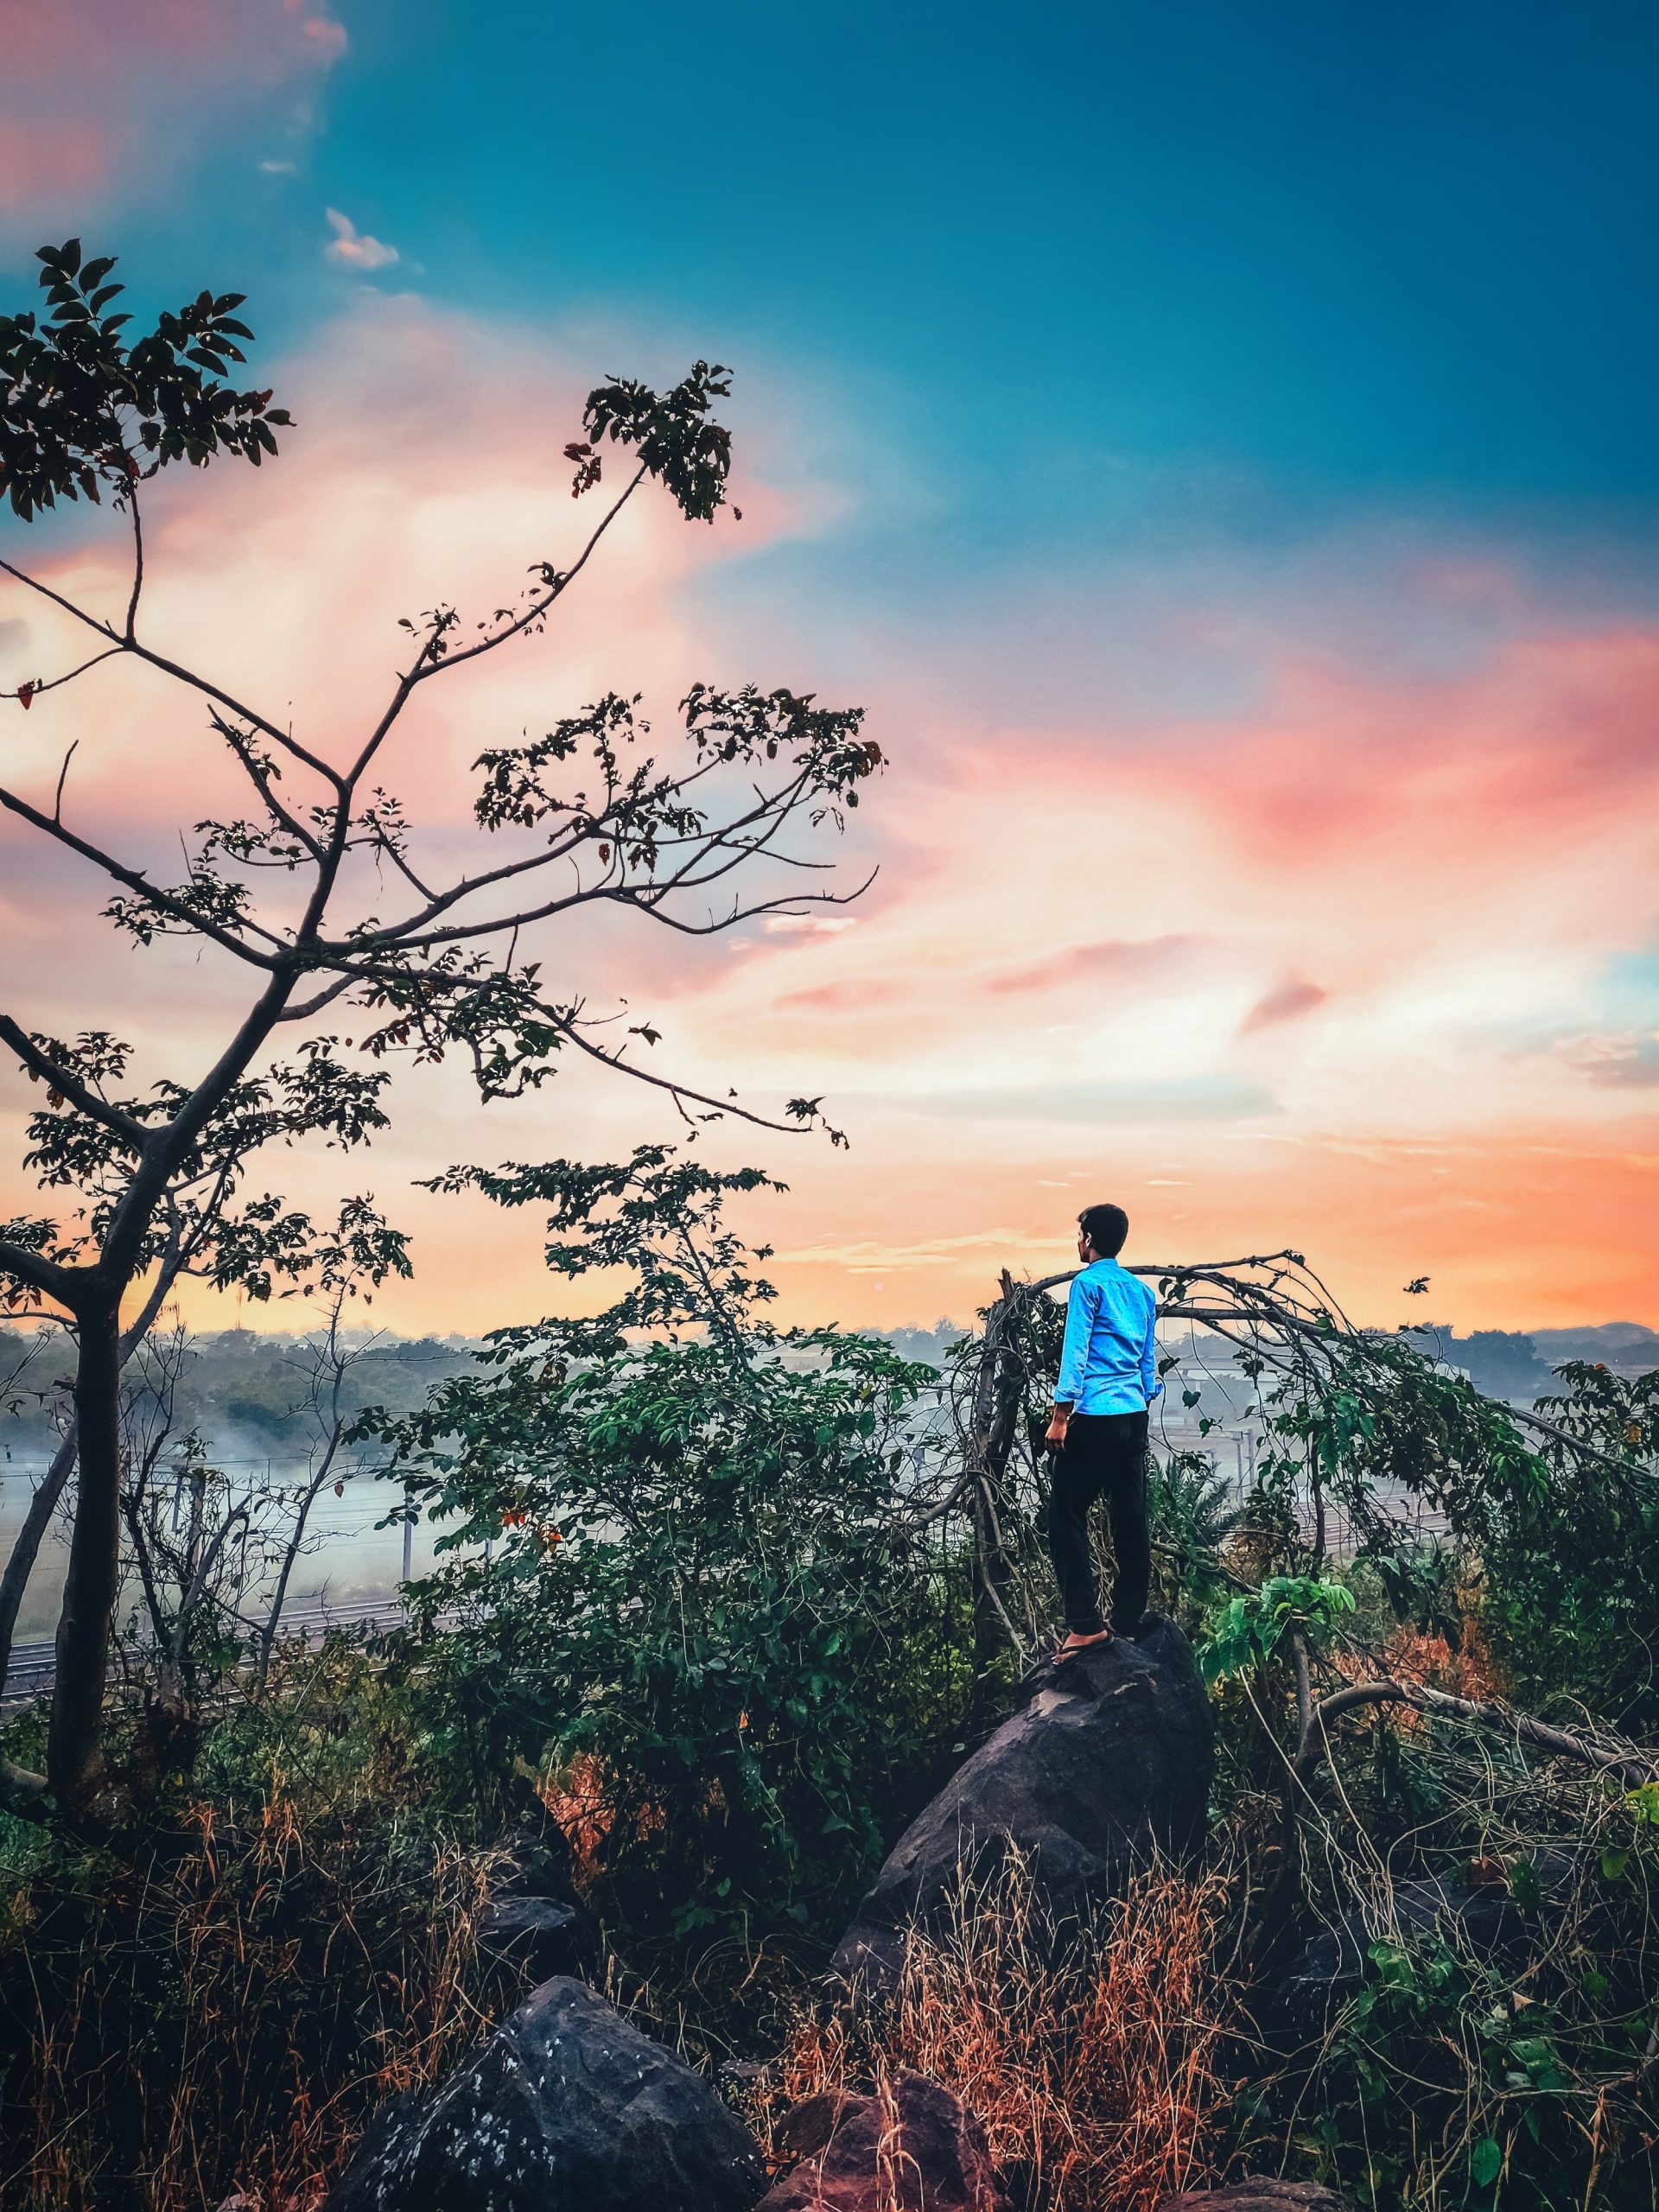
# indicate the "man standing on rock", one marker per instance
pixel 1098 1437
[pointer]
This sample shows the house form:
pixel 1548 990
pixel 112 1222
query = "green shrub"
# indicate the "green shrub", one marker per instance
pixel 680 1583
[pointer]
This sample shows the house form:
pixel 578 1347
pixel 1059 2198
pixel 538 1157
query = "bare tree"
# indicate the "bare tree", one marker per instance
pixel 182 1521
pixel 291 893
pixel 329 1363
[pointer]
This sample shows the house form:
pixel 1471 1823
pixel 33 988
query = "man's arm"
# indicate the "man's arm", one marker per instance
pixel 1150 1382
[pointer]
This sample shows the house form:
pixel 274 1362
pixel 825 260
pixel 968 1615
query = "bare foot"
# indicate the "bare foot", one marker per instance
pixel 1075 1643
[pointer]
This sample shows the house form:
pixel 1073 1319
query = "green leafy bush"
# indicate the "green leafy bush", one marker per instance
pixel 680 1584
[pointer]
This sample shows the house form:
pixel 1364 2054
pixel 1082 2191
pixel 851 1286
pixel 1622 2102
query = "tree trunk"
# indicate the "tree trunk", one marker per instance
pixel 21 1565
pixel 74 1751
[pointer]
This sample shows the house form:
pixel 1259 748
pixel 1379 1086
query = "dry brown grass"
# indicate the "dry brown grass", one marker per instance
pixel 236 2006
pixel 1092 2057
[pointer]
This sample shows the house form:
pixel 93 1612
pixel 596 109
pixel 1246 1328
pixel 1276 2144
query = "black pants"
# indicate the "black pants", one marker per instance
pixel 1102 1453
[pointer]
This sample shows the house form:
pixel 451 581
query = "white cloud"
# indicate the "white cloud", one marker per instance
pixel 278 168
pixel 355 247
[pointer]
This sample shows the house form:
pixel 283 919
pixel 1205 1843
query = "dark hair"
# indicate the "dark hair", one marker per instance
pixel 1105 1227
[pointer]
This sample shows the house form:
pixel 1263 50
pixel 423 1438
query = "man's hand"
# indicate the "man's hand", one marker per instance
pixel 1057 1431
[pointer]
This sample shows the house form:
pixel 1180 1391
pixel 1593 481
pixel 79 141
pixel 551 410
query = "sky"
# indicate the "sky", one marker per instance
pixel 1215 445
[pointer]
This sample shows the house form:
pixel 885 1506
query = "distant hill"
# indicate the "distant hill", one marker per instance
pixel 1617 1342
pixel 244 1390
pixel 1521 1365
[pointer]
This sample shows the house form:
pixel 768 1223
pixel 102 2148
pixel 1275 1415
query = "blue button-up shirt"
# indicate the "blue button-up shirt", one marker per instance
pixel 1110 1363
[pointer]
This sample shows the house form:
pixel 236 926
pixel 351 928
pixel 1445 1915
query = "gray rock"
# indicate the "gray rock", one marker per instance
pixel 1110 1755
pixel 563 2108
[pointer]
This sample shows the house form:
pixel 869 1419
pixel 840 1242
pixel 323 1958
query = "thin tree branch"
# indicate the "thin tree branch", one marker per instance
pixel 69 1085
pixel 1632 1768
pixel 412 931
pixel 563 580
pixel 159 661
pixel 193 1596
pixel 1572 1443
pixel 262 783
pixel 677 1090
pixel 138 568
pixel 428 663
pixel 341 984
pixel 136 880
pixel 63 778
pixel 36 690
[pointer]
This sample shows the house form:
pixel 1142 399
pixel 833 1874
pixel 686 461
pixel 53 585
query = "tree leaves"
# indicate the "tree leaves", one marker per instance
pixel 79 407
pixel 1252 1626
pixel 676 439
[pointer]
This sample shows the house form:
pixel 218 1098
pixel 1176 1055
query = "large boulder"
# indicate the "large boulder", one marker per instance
pixel 1261 2195
pixel 563 2108
pixel 919 2149
pixel 1109 1757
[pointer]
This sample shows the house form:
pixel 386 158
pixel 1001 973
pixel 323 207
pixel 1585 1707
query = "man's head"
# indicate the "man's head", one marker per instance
pixel 1101 1232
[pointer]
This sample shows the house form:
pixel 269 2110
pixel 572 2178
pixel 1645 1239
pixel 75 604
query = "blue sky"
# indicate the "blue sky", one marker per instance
pixel 1366 255
pixel 1394 251
pixel 1117 293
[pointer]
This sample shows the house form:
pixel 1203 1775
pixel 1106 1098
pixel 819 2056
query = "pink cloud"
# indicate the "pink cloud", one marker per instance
pixel 322 33
pixel 1629 1060
pixel 1123 960
pixel 63 159
pixel 852 995
pixel 1286 1001
pixel 95 97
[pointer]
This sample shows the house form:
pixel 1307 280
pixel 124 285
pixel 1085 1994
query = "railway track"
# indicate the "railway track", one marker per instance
pixel 30 1672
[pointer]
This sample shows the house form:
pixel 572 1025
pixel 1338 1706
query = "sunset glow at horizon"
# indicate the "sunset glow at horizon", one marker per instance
pixel 1252 587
